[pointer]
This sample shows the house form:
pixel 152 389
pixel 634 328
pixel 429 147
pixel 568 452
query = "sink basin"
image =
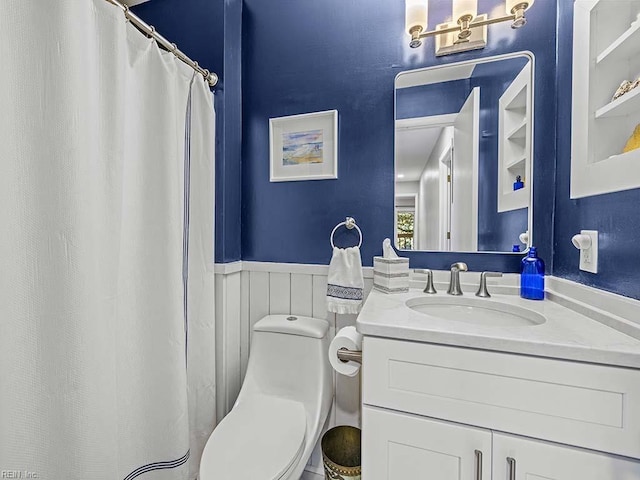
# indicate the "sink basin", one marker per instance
pixel 477 311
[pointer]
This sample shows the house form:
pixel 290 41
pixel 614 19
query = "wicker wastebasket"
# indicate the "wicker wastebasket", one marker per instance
pixel 341 453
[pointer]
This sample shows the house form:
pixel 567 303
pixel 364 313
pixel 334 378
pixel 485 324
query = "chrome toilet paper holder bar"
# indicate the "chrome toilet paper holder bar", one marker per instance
pixel 345 355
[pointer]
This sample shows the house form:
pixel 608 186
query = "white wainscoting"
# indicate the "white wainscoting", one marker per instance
pixel 247 291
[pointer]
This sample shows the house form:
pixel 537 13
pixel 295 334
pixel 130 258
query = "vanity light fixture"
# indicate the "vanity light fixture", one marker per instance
pixel 469 32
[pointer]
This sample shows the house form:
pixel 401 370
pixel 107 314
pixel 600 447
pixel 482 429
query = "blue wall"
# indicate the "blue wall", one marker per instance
pixel 302 57
pixel 210 32
pixel 307 56
pixel 434 99
pixel 616 215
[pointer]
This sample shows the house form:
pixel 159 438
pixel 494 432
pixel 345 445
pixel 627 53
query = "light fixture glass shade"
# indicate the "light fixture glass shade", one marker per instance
pixel 463 8
pixel 511 4
pixel 416 14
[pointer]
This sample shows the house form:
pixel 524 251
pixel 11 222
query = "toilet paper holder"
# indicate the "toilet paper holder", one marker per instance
pixel 346 355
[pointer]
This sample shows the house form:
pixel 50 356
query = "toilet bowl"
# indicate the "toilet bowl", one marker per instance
pixel 283 404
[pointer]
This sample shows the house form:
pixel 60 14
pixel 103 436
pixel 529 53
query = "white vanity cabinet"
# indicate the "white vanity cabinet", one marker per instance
pixel 517 458
pixel 403 446
pixel 406 446
pixel 429 409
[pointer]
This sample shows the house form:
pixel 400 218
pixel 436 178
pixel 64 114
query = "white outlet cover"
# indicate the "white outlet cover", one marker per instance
pixel 589 256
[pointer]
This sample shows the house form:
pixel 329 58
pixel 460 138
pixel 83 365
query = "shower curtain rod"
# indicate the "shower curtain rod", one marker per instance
pixel 149 30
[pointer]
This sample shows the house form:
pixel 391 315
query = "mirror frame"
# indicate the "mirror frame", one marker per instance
pixel 506 56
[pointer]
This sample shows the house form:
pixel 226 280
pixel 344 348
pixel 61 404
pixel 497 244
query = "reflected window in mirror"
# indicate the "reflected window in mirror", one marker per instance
pixel 463 150
pixel 405 221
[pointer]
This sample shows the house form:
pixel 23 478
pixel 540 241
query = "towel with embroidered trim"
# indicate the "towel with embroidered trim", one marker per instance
pixel 345 283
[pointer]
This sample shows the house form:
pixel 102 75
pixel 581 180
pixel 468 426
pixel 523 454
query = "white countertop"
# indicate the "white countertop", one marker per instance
pixel 566 334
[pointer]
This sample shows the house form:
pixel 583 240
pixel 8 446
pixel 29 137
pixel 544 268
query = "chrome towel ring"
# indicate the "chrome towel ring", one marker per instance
pixel 349 223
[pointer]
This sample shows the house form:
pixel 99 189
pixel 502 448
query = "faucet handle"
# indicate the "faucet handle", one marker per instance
pixel 429 288
pixel 482 289
pixel 460 266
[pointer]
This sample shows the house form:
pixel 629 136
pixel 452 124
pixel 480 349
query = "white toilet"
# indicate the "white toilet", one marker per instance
pixel 282 406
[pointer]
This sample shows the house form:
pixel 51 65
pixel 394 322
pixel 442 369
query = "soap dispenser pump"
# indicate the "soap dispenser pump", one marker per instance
pixel 532 276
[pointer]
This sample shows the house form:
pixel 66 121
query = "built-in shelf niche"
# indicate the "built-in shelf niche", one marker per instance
pixel 514 142
pixel 606 51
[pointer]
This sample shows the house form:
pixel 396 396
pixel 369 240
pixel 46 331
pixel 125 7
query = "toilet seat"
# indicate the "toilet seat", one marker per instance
pixel 260 439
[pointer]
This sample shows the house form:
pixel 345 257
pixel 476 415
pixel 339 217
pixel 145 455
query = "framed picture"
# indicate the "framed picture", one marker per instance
pixel 304 147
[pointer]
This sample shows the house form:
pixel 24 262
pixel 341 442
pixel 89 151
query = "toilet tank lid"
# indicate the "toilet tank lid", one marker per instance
pixel 293 325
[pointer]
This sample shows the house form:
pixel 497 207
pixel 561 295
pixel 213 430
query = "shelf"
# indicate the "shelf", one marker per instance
pixel 514 149
pixel 519 101
pixel 633 155
pixel 517 164
pixel 625 46
pixel 517 198
pixel 518 132
pixel 624 105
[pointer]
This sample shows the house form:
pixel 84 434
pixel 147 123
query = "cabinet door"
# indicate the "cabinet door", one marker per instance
pixel 398 446
pixel 516 458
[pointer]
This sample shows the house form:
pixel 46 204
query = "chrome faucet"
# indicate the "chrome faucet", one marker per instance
pixel 454 283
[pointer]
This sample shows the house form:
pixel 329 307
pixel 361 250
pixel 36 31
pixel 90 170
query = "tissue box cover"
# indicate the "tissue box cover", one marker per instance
pixel 391 275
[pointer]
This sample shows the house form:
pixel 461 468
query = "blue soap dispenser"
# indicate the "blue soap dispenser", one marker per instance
pixel 532 276
pixel 518 184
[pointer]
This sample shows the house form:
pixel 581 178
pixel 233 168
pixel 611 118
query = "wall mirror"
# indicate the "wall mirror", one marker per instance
pixel 463 156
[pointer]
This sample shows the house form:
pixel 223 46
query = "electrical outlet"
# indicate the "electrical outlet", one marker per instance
pixel 589 256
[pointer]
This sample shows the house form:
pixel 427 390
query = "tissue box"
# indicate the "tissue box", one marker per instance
pixel 391 275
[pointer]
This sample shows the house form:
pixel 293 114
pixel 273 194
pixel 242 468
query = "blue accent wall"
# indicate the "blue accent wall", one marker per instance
pixel 210 32
pixel 434 99
pixel 615 215
pixel 301 57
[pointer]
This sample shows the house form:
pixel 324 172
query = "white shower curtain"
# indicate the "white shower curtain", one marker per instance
pixel 106 249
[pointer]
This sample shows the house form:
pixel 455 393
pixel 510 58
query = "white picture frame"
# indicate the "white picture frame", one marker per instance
pixel 304 147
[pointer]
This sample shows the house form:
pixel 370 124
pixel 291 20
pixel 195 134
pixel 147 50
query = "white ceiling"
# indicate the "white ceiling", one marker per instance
pixel 427 76
pixel 413 148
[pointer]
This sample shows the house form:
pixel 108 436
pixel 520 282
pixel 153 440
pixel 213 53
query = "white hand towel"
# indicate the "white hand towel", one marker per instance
pixel 345 282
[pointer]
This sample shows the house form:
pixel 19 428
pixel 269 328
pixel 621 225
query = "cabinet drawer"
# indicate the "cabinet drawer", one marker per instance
pixel 580 404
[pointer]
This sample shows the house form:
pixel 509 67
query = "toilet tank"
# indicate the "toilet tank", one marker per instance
pixel 288 358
